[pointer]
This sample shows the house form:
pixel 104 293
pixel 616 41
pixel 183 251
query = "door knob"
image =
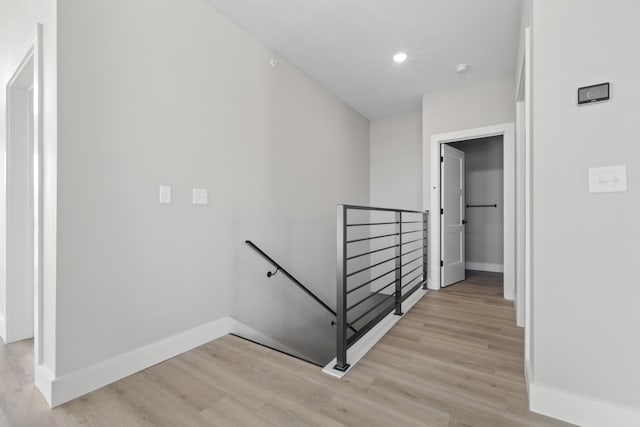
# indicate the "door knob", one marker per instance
pixel 464 221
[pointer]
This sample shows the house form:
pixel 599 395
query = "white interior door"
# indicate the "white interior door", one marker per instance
pixel 452 215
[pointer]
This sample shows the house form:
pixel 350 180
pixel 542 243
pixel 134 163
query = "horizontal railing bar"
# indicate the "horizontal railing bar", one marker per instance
pixel 372 238
pixel 412 222
pixel 413 241
pixel 371 208
pixel 416 249
pixel 413 260
pixel 371 266
pixel 411 281
pixel 371 252
pixel 372 295
pixel 407 273
pixel 373 223
pixel 366 328
pixel 411 291
pixel 371 281
pixel 414 231
pixel 353 322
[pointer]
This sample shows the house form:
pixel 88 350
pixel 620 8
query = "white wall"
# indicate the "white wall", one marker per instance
pixel 396 182
pixel 467 107
pixel 397 158
pixel 586 289
pixel 396 162
pixel 170 92
pixel 484 175
pixel 396 143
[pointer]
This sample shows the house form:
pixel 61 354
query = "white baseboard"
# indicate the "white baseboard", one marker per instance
pixel 371 338
pixel 57 391
pixel 528 375
pixel 580 410
pixel 485 266
pixel 43 380
pixel 68 387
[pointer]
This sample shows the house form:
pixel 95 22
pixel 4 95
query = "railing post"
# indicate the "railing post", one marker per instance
pixel 398 298
pixel 341 277
pixel 425 244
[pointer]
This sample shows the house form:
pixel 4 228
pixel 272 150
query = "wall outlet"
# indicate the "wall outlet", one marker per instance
pixel 200 196
pixel 165 195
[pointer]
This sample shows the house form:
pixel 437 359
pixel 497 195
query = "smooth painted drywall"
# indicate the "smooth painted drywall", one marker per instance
pixel 586 289
pixel 484 175
pixel 466 107
pixel 396 162
pixel 172 93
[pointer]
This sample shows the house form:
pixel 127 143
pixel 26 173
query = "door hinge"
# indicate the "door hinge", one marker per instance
pixel 441 159
pixel 441 211
pixel 441 263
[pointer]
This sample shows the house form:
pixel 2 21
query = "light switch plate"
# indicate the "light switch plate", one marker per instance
pixel 165 195
pixel 200 196
pixel 610 179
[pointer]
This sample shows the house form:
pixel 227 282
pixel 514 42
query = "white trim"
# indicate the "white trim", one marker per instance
pixel 38 233
pixel 580 410
pixel 32 52
pixel 507 130
pixel 57 391
pixel 43 379
pixel 19 320
pixel 371 338
pixel 68 387
pixel 528 374
pixel 2 329
pixel 485 266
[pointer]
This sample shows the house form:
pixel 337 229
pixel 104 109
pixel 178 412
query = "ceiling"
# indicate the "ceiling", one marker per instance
pixel 347 45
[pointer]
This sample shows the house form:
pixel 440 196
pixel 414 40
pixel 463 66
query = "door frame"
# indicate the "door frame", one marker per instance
pixel 432 167
pixel 33 52
pixel 524 190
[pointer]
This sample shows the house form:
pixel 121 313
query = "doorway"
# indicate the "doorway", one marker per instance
pixel 433 147
pixel 481 234
pixel 20 191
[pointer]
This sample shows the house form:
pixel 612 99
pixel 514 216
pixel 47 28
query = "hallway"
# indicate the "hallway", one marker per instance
pixel 456 359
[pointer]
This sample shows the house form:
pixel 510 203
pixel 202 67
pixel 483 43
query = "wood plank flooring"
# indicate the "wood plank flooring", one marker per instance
pixel 456 359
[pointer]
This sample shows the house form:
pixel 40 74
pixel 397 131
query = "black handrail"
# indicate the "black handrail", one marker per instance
pixel 371 208
pixel 279 268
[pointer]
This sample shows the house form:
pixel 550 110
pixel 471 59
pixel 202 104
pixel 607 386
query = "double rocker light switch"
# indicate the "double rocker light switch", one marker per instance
pixel 611 179
pixel 200 196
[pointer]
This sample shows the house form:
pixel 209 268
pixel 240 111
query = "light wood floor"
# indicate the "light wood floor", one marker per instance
pixel 454 360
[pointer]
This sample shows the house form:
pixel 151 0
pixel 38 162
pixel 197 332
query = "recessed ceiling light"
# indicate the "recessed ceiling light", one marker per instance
pixel 462 68
pixel 400 57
